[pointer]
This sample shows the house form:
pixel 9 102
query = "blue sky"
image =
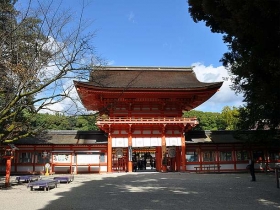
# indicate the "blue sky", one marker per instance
pixel 152 33
pixel 158 33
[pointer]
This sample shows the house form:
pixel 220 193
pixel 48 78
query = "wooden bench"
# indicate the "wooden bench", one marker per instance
pixel 46 185
pixel 67 179
pixel 207 168
pixel 27 178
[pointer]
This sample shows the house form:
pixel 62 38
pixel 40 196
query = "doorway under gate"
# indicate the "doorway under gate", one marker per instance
pixel 142 158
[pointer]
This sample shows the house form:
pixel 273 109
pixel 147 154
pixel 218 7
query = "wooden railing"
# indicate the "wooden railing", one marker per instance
pixel 146 120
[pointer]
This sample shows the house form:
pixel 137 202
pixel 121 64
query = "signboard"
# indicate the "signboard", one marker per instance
pixel 61 158
pixel 130 153
pixel 87 158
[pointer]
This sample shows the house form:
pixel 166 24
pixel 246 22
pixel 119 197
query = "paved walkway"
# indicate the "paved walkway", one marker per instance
pixel 149 191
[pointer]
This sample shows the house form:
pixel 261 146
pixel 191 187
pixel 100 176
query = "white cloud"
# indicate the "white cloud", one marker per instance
pixel 58 107
pixel 225 96
pixel 70 105
pixel 131 17
pixel 111 63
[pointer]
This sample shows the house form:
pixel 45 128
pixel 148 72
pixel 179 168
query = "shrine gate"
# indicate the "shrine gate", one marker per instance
pixel 140 108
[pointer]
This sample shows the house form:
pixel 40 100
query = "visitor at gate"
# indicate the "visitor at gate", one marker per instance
pixel 144 163
pixel 134 161
pixel 139 165
pixel 252 169
pixel 151 162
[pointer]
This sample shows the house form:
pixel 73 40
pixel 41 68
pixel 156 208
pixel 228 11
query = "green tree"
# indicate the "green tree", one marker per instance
pixel 86 123
pixel 42 48
pixel 251 30
pixel 62 122
pixel 207 120
pixel 14 69
pixel 230 116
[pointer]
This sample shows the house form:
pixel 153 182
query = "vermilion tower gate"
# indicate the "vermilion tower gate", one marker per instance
pixel 141 107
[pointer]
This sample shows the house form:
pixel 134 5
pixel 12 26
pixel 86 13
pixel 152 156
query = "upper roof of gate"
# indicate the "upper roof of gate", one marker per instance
pixel 147 77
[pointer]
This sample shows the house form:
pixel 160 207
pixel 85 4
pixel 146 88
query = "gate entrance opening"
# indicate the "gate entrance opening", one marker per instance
pixel 145 159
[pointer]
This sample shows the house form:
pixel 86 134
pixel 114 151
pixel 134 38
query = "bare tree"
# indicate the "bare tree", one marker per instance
pixel 43 49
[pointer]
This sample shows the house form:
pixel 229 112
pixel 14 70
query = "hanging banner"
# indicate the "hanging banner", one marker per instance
pixel 130 153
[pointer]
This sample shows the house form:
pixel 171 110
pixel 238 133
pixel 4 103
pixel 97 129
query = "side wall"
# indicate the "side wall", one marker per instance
pixel 93 158
pixel 229 157
pixel 64 159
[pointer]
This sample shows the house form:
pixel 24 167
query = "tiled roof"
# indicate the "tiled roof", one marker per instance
pixel 217 137
pixel 74 137
pixel 147 77
pixel 66 137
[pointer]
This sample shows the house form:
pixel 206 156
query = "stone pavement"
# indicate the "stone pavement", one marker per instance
pixel 149 191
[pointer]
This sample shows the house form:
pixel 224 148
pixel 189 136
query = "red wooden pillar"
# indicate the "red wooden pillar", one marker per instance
pixel 109 154
pixel 34 158
pixel 163 154
pixel 71 163
pixel 158 158
pixel 183 153
pixel 129 153
pixel 8 171
pixel 234 157
pixel 217 157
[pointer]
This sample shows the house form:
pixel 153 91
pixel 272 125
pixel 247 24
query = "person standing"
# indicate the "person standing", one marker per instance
pixel 134 160
pixel 151 162
pixel 252 170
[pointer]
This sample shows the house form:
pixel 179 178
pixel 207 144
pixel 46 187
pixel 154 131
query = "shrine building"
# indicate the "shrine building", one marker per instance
pixel 142 128
pixel 140 110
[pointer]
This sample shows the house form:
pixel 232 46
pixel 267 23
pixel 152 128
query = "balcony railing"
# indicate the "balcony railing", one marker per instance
pixel 147 120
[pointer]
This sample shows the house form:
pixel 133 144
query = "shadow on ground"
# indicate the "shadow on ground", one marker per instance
pixel 170 191
pixel 133 191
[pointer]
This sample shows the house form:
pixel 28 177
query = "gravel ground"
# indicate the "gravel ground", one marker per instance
pixel 133 191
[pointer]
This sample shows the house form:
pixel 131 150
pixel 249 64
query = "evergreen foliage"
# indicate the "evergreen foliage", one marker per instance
pixel 62 122
pixel 251 30
pixel 227 120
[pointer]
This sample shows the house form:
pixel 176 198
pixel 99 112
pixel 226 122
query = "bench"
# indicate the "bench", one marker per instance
pixel 46 185
pixel 207 168
pixel 67 179
pixel 27 178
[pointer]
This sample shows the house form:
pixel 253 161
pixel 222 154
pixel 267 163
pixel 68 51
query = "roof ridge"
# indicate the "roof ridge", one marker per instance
pixel 143 68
